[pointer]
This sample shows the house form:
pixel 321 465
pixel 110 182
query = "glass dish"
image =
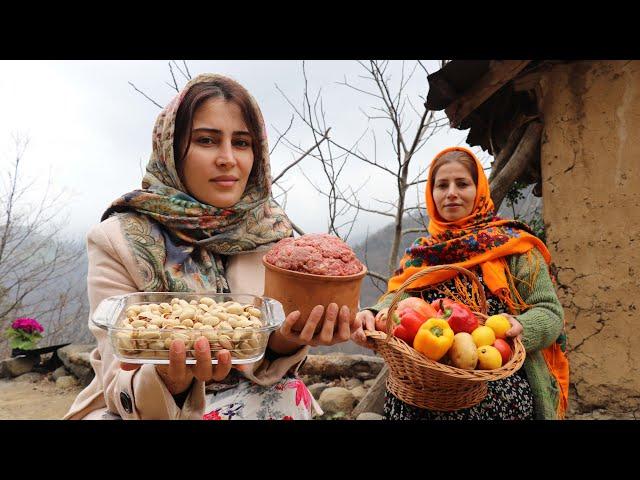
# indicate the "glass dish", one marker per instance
pixel 142 333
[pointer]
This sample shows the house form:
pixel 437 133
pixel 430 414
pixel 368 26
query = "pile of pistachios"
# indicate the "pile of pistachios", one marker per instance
pixel 147 330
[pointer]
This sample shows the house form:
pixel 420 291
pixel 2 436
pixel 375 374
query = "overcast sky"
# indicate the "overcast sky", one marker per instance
pixel 91 131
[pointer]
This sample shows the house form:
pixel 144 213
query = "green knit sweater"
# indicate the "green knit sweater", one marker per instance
pixel 542 324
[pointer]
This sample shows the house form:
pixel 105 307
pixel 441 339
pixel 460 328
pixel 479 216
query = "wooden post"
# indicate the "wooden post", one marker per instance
pixel 373 401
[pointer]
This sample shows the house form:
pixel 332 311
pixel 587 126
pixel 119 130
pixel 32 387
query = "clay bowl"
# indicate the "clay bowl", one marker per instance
pixel 303 291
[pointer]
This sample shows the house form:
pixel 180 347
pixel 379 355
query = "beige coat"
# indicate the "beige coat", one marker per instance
pixel 113 271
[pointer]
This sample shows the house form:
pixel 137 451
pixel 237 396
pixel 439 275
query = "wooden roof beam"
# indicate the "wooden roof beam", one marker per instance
pixel 500 72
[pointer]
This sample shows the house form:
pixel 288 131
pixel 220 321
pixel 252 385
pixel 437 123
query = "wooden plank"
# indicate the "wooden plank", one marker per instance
pixel 500 72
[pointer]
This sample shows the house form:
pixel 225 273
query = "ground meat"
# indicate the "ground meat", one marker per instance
pixel 319 254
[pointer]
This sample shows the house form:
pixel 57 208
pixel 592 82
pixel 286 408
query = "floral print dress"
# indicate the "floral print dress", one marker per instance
pixel 507 399
pixel 288 399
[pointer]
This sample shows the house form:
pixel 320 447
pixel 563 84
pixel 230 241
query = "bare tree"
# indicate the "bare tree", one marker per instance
pixel 36 265
pixel 409 126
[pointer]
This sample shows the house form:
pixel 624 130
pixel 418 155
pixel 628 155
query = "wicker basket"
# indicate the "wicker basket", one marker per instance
pixel 424 383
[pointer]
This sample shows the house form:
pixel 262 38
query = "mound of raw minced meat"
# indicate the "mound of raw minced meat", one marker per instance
pixel 315 253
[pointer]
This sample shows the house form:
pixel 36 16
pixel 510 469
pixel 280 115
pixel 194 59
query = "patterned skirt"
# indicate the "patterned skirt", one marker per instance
pixel 507 399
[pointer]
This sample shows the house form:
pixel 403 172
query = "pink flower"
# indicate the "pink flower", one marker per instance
pixel 212 415
pixel 28 325
pixel 302 392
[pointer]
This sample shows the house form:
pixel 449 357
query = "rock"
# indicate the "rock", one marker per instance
pixel 337 399
pixel 66 382
pixel 342 365
pixel 317 388
pixel 369 416
pixel 59 372
pixel 369 383
pixel 14 367
pixel 352 383
pixel 76 360
pixel 32 377
pixel 359 392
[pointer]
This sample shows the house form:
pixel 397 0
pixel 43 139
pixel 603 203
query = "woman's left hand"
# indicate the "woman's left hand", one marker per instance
pixel 516 327
pixel 328 335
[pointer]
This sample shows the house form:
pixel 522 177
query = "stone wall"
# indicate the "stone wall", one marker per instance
pixel 590 166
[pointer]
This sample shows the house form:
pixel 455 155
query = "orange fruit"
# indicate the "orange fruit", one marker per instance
pixel 499 324
pixel 489 358
pixel 483 336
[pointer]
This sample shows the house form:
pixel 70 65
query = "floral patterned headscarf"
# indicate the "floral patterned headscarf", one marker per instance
pixel 178 242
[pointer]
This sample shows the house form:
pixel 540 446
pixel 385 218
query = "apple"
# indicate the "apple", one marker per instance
pixel 504 349
pixel 418 305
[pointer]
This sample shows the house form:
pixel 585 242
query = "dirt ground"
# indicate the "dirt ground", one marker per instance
pixel 34 401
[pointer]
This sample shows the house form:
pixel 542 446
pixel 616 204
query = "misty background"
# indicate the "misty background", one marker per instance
pixel 82 130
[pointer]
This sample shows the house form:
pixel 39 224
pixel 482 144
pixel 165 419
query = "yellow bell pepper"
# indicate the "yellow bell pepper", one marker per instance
pixel 434 338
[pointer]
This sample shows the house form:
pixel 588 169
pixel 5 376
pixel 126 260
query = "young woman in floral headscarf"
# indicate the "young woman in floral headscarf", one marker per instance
pixel 512 265
pixel 201 222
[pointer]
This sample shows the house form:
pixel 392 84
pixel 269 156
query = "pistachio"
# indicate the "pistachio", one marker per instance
pixel 211 321
pixel 225 326
pixel 236 309
pixel 210 335
pixel 150 334
pixel 187 322
pixel 225 342
pixel 207 301
pixel 237 335
pixel 156 345
pixel 220 314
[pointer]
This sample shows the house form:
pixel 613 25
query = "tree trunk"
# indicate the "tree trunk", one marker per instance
pixel 517 164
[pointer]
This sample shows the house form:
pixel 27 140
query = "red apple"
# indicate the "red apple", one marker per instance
pixel 504 349
pixel 423 309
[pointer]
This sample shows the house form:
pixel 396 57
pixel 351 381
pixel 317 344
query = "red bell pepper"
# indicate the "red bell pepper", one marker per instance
pixel 410 322
pixel 460 318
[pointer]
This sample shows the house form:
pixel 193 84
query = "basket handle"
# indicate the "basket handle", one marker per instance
pixel 396 299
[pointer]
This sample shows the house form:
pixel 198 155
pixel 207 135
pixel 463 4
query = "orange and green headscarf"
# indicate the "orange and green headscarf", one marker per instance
pixel 479 239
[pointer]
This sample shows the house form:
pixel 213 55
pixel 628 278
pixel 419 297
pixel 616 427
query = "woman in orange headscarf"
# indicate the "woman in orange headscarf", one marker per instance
pixel 511 263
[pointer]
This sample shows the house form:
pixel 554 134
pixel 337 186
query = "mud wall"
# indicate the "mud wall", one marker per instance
pixel 590 161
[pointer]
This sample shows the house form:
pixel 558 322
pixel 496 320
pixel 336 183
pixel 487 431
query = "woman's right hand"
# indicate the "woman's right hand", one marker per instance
pixel 366 321
pixel 177 376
